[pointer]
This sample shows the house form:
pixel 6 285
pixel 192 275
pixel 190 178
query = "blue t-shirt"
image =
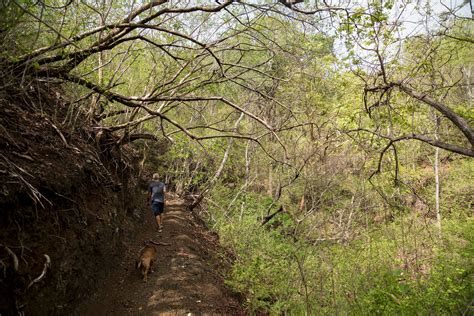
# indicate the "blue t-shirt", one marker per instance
pixel 157 190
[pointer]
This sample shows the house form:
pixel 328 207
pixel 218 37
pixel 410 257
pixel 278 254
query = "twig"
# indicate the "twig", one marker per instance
pixel 34 193
pixel 23 156
pixel 59 132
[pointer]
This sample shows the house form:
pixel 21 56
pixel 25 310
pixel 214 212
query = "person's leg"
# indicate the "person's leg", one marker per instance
pixel 158 221
pixel 156 213
pixel 161 219
pixel 160 212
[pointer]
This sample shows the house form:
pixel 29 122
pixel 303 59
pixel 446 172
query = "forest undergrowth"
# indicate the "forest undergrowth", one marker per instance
pixel 401 267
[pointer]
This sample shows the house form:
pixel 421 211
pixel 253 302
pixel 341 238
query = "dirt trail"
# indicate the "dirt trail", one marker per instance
pixel 186 280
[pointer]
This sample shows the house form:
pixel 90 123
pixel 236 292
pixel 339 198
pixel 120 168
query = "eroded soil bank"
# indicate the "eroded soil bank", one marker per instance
pixel 65 194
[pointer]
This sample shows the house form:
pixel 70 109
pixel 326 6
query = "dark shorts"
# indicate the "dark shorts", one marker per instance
pixel 158 208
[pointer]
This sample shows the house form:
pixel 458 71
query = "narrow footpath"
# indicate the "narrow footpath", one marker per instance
pixel 187 277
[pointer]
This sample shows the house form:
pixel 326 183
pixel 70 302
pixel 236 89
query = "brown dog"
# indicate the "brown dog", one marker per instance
pixel 146 259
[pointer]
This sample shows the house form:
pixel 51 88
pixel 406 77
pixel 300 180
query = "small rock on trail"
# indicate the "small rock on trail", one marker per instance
pixel 187 276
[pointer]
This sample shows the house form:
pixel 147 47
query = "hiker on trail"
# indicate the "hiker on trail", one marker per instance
pixel 156 197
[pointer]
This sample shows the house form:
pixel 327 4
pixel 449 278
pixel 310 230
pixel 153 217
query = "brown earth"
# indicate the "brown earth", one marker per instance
pixel 62 194
pixel 187 279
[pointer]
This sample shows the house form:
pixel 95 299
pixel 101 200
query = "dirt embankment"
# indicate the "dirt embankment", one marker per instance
pixel 62 194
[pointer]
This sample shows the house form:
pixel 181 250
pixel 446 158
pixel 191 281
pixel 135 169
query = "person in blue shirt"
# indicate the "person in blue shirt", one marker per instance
pixel 156 197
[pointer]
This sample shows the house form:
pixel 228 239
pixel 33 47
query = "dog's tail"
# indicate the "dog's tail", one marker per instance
pixel 138 264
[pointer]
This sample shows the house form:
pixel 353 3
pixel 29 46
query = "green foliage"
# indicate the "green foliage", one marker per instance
pixel 459 193
pixel 399 279
pixel 265 264
pixel 401 268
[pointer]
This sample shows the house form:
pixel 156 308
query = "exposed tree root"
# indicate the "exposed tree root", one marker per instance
pixel 14 257
pixel 47 264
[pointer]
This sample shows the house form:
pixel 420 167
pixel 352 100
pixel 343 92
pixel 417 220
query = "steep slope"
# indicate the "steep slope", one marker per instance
pixel 63 196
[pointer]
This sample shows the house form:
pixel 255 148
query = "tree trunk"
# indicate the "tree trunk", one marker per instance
pixel 437 184
pixel 270 181
pixel 469 84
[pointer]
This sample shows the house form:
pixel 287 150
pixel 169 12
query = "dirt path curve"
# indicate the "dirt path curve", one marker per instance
pixel 186 280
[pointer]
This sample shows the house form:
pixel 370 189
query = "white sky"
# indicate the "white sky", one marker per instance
pixel 416 11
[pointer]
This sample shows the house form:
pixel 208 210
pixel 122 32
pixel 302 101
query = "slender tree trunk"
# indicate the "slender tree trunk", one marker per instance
pixel 437 121
pixel 247 163
pixel 437 184
pixel 247 178
pixel 438 215
pixel 270 181
pixel 469 84
pixel 103 13
pixel 302 203
pixel 305 284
